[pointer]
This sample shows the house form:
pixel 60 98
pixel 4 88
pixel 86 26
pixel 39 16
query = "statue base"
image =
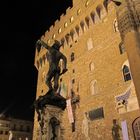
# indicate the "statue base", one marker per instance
pixel 51 119
pixel 50 109
pixel 51 98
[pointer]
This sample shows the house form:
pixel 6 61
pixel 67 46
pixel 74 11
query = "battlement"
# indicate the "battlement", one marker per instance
pixel 73 12
pixel 51 28
pixel 68 9
pixel 56 22
pixel 128 17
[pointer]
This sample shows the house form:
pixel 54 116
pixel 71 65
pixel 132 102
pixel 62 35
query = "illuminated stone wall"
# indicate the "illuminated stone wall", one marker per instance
pixel 96 73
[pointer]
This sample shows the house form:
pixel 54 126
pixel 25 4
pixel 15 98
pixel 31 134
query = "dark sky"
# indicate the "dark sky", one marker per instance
pixel 23 22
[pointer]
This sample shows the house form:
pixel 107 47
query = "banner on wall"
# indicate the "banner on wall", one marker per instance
pixel 124 96
pixel 124 130
pixel 70 113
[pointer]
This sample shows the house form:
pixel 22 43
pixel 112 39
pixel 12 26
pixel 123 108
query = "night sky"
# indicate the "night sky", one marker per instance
pixel 22 23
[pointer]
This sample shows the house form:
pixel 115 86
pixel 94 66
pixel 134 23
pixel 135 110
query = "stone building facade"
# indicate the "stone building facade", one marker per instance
pixel 19 129
pixel 98 74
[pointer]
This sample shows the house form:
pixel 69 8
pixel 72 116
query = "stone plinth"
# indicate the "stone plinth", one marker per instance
pixel 49 108
pixel 51 123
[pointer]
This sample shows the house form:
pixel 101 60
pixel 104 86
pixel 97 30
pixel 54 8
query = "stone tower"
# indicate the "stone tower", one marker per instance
pixel 98 87
pixel 128 15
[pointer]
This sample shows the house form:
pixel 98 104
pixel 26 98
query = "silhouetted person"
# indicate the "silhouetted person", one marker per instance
pixel 115 130
pixel 53 56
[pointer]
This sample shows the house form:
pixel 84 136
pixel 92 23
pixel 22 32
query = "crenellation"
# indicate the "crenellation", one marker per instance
pixel 60 22
pixel 51 28
pixel 56 22
pixel 67 10
pixel 62 16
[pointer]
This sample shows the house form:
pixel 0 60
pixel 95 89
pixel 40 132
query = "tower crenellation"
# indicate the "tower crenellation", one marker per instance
pixel 128 17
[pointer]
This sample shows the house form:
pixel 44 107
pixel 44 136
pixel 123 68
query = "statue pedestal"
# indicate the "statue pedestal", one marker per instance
pixel 50 109
pixel 51 119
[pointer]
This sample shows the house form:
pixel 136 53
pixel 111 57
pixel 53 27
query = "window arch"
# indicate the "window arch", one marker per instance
pixel 92 17
pixel 59 30
pixel 115 26
pixel 53 37
pixel 98 10
pixel 67 37
pixel 40 61
pixel 126 73
pixel 89 44
pixel 63 41
pixel 105 3
pixel 72 57
pixel 71 19
pixel 78 30
pixel 101 11
pixel 87 3
pixel 78 11
pixel 93 87
pixel 82 24
pixel 136 128
pixel 38 49
pixel 37 62
pixel 65 24
pixel 91 66
pixel 87 19
pixel 121 48
pixel 44 58
pixel 72 33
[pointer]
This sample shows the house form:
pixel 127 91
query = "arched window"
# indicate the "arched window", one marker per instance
pixel 38 50
pixel 91 66
pixel 82 24
pixel 53 37
pixel 89 44
pixel 72 56
pixel 126 73
pixel 105 3
pixel 78 11
pixel 87 3
pixel 65 24
pixel 67 36
pixel 121 48
pixel 37 64
pixel 93 17
pixel 71 19
pixel 98 9
pixel 87 19
pixel 48 41
pixel 115 26
pixel 59 30
pixel 72 34
pixel 63 41
pixel 78 31
pixel 44 58
pixel 136 128
pixel 40 61
pixel 93 87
